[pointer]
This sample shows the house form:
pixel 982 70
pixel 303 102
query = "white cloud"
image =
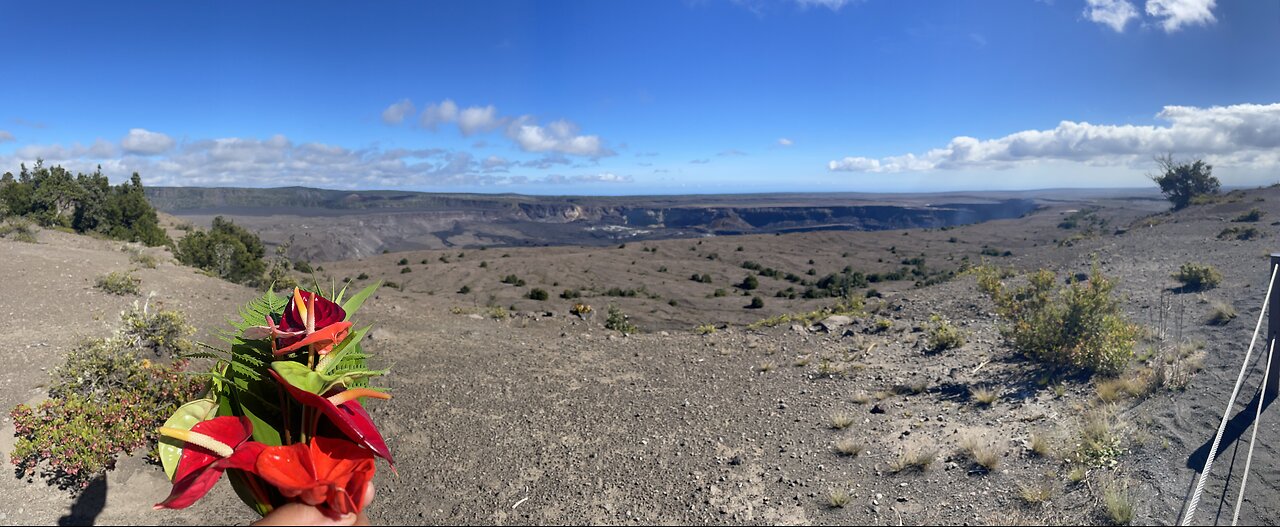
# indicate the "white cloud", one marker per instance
pixel 558 136
pixel 478 119
pixel 436 114
pixel 146 142
pixel 396 113
pixel 495 164
pixel 1113 13
pixel 99 149
pixel 1246 135
pixel 1179 13
pixel 833 5
pixel 5 136
pixel 785 142
pixel 604 177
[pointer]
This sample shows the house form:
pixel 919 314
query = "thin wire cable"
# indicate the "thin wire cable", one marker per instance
pixel 1253 439
pixel 1217 439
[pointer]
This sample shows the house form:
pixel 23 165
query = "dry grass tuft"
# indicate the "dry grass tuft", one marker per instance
pixel 841 421
pixel 1035 493
pixel 851 446
pixel 1117 500
pixel 914 458
pixel 982 453
pixel 837 498
pixel 983 396
pixel 1040 445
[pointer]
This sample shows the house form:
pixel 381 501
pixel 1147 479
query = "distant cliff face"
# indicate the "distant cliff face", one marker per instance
pixel 324 225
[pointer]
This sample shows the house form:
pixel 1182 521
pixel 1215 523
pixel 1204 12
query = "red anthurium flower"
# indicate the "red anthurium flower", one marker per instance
pixel 332 474
pixel 342 408
pixel 213 446
pixel 309 320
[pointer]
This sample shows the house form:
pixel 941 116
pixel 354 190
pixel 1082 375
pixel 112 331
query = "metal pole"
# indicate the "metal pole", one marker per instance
pixel 1273 330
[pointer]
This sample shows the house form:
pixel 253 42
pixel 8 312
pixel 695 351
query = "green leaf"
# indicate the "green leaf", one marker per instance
pixel 353 304
pixel 185 417
pixel 339 353
pixel 302 378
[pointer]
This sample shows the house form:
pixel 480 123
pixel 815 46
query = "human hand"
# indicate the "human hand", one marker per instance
pixel 303 514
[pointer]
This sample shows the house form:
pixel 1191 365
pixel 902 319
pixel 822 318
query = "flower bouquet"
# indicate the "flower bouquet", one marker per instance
pixel 282 417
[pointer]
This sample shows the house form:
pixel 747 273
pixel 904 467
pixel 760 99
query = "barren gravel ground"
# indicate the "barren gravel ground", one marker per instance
pixel 552 419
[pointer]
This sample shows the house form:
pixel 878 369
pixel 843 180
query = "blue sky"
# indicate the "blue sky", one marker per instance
pixel 643 97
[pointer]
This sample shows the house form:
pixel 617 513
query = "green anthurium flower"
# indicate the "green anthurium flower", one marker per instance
pixel 185 417
pixel 303 378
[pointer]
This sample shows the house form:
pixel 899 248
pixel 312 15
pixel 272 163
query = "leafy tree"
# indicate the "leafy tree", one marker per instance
pixel 1181 182
pixel 226 250
pixel 86 203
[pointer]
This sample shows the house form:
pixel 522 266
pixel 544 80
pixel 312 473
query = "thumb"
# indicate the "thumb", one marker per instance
pixel 303 514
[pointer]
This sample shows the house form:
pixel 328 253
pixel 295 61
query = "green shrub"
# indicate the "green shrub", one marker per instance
pixel 226 250
pixel 1239 233
pixel 569 294
pixel 403 261
pixel 18 229
pixel 163 332
pixel 1253 215
pixel 619 321
pixel 464 290
pixel 362 276
pixel 105 400
pixel 303 266
pixel 513 280
pixel 142 259
pixel 1198 277
pixel 1079 326
pixel 749 283
pixel 118 283
pixel 404 270
pixel 942 335
pixel 537 294
pixel 756 303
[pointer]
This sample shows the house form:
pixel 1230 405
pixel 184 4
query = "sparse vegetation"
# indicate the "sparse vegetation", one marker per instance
pixel 851 446
pixel 1221 314
pixel 1254 214
pixel 1198 277
pixel 1040 445
pixel 118 283
pixel 705 329
pixel 847 307
pixel 619 321
pixel 841 421
pixel 18 229
pixel 982 454
pixel 513 280
pixel 1117 500
pixel 1035 493
pixel 838 498
pixel 1240 233
pixel 915 457
pixel 1079 326
pixel 983 396
pixel 537 294
pixel 942 335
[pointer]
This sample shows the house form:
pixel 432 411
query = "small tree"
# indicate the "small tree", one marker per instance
pixel 1180 182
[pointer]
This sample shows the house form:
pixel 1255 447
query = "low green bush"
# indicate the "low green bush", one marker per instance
pixel 1079 326
pixel 1198 277
pixel 105 400
pixel 118 283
